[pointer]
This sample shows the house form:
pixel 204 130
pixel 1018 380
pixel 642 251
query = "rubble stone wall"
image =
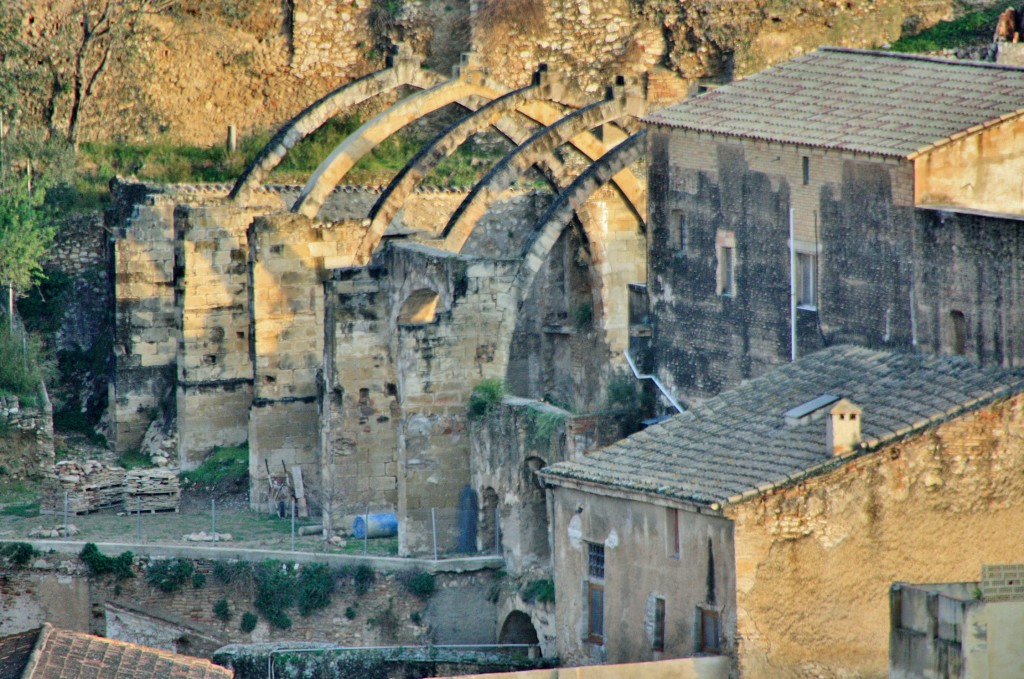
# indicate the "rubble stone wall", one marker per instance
pixel 814 561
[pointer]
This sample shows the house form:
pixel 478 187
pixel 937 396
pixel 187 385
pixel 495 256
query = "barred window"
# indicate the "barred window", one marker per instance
pixel 595 561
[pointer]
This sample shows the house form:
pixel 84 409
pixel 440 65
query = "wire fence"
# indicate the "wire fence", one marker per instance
pixel 435 533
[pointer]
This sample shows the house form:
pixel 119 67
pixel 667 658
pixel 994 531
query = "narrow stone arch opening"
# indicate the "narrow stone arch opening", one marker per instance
pixel 533 528
pixel 518 629
pixel 419 308
pixel 489 521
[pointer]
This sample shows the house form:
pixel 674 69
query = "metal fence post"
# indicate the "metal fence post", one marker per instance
pixel 366 531
pixel 65 513
pixel 293 524
pixel 138 521
pixel 433 526
pixel 213 519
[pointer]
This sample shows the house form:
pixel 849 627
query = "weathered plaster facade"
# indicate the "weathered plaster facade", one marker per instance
pixel 814 559
pixel 652 550
pixel 888 274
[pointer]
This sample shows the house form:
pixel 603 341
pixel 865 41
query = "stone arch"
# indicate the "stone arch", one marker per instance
pixel 539 145
pixel 445 143
pixel 489 528
pixel 533 517
pixel 334 168
pixel 518 629
pixel 551 224
pixel 403 69
pixel 419 308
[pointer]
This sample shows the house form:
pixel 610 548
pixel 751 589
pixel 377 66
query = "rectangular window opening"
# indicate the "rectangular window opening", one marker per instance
pixel 806 280
pixel 807 170
pixel 658 643
pixel 726 271
pixel 595 593
pixel 675 548
pixel 710 631
pixel 684 235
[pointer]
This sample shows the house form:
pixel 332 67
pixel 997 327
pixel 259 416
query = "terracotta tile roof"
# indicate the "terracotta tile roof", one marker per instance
pixel 739 441
pixel 15 650
pixel 63 654
pixel 873 102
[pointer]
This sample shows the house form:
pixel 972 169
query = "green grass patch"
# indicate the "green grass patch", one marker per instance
pixel 22 365
pixel 973 28
pixel 134 459
pixel 229 465
pixel 18 492
pixel 22 509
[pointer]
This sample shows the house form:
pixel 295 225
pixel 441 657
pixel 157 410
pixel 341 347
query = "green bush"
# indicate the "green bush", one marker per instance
pixel 973 28
pixel 224 466
pixel 419 583
pixel 363 578
pixel 98 563
pixel 275 592
pixel 222 610
pixel 350 613
pixel 169 576
pixel 540 591
pixel 17 554
pixel 485 398
pixel 316 583
pixel 198 580
pixel 248 623
pixel 23 365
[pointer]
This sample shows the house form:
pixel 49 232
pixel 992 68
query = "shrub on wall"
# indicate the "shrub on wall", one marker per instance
pixel 222 610
pixel 17 554
pixel 418 583
pixel 363 578
pixel 539 591
pixel 101 564
pixel 275 592
pixel 248 623
pixel 169 576
pixel 485 398
pixel 316 583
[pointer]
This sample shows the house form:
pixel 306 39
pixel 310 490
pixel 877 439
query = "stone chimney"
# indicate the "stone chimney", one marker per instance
pixel 842 428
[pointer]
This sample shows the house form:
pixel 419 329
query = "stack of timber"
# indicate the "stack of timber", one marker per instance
pixel 152 490
pixel 90 485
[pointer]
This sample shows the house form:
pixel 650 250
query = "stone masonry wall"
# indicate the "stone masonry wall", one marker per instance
pixel 26 446
pixel 55 588
pixel 814 561
pixel 888 275
pixel 215 373
pixel 288 258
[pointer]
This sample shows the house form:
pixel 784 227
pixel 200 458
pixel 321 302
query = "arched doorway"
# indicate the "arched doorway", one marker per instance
pixel 517 629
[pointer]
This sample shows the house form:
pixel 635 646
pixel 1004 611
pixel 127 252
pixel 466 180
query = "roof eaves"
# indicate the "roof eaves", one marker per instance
pixel 974 129
pixel 624 491
pixel 777 140
pixel 37 651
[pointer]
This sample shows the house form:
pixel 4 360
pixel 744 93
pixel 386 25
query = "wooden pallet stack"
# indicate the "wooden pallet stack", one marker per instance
pixel 89 484
pixel 152 490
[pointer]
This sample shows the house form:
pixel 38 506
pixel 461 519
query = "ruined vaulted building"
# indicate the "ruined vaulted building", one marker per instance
pixel 895 178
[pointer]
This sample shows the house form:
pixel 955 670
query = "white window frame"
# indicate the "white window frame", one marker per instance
pixel 807 252
pixel 725 252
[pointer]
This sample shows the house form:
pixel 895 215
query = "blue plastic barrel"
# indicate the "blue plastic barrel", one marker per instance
pixel 380 526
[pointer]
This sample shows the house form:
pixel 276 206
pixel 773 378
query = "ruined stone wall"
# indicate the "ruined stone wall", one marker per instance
pixel 289 255
pixel 55 589
pixel 814 561
pixel 26 443
pixel 145 338
pixel 594 40
pixel 888 275
pixel 202 66
pixel 214 368
pixel 508 447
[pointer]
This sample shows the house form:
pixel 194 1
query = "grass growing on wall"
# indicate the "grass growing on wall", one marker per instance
pixel 225 466
pixel 22 365
pixel 973 28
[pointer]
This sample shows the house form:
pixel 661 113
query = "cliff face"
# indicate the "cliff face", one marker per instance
pixel 197 67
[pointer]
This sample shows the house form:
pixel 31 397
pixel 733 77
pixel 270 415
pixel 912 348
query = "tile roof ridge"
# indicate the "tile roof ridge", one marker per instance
pixel 37 650
pixel 969 63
